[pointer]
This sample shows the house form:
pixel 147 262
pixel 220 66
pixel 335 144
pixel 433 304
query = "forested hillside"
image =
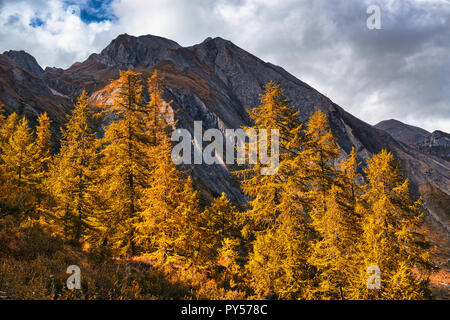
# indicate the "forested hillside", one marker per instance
pixel 105 195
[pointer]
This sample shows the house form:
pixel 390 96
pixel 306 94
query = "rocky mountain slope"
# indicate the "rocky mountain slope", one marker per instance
pixel 215 82
pixel 437 144
pixel 23 89
pixel 26 61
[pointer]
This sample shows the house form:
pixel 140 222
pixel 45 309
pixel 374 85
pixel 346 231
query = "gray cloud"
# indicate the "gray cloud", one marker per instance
pixel 401 71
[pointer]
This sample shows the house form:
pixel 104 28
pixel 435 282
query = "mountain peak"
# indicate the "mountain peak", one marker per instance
pixel 149 39
pixel 440 133
pixel 25 60
pixel 217 42
pixel 403 132
pixel 216 39
pixel 127 51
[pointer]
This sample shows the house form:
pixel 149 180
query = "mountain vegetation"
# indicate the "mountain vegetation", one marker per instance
pixel 110 199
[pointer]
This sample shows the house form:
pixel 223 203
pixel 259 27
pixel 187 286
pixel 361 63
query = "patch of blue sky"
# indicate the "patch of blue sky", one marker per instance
pixel 36 22
pixel 93 10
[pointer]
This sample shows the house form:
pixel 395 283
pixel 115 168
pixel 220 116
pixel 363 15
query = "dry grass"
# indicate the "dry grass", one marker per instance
pixel 440 279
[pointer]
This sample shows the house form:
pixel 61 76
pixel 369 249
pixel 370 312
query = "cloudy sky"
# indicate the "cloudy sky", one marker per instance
pixel 401 71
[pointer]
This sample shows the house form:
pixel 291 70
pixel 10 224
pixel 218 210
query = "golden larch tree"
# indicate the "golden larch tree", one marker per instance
pixel 164 224
pixel 43 157
pixel 270 194
pixel 221 222
pixel 277 267
pixel 338 228
pixel 126 165
pixel 321 153
pixel 21 164
pixel 73 178
pixel 391 240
